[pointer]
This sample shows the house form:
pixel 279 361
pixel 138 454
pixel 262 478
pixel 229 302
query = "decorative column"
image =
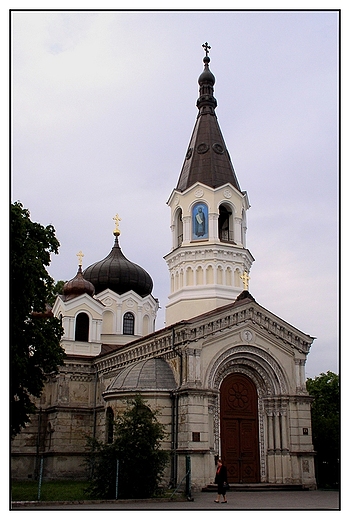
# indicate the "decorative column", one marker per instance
pixel 191 365
pixel 197 366
pixel 278 461
pixel 302 374
pixel 186 221
pixel 277 431
pixel 119 328
pixel 284 430
pixel 238 231
pixel 139 320
pixel 270 447
pixel 175 239
pixel 213 226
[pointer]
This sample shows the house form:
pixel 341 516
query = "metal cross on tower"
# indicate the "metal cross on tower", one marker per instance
pixel 245 279
pixel 206 47
pixel 80 257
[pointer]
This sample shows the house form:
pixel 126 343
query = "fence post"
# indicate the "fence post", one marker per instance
pixel 40 476
pixel 117 480
pixel 188 477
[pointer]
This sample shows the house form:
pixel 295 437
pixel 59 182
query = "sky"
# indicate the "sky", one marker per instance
pixel 103 107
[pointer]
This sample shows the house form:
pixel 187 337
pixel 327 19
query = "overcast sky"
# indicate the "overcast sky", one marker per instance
pixel 104 104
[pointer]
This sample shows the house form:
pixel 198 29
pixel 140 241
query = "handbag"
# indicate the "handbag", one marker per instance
pixel 226 486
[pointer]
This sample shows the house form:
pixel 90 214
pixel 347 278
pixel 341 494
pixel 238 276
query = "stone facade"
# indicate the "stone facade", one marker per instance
pixel 242 338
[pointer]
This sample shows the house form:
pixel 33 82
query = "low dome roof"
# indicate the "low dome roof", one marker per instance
pixel 117 273
pixel 150 374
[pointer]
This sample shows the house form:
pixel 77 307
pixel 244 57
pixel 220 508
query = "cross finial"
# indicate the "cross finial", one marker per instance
pixel 245 279
pixel 80 257
pixel 116 219
pixel 206 47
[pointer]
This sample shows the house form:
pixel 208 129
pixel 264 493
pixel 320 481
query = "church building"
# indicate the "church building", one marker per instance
pixel 226 373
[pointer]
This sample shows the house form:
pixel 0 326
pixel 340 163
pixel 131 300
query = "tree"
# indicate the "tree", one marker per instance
pixel 137 447
pixel 35 334
pixel 56 290
pixel 325 416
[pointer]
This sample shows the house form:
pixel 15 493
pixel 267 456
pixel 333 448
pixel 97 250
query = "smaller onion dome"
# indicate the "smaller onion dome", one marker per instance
pixel 207 76
pixel 206 101
pixel 77 286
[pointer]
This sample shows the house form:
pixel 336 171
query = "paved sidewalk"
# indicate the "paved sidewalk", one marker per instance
pixel 242 500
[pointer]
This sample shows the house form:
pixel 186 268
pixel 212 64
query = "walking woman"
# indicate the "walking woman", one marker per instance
pixel 221 481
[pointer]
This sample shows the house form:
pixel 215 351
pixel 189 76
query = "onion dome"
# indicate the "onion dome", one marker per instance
pixel 117 273
pixel 77 286
pixel 206 80
pixel 151 374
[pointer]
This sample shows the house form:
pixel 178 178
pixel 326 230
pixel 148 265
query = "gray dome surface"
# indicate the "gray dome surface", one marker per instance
pixel 151 374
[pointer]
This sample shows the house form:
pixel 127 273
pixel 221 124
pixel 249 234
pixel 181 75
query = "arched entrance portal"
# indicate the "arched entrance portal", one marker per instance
pixel 239 428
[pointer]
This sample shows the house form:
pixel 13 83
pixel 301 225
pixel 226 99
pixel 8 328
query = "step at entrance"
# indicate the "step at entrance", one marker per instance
pixel 212 488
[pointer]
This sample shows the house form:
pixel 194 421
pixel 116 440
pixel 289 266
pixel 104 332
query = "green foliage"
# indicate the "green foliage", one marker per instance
pixel 34 335
pixel 55 490
pixel 325 415
pixel 137 447
pixel 56 290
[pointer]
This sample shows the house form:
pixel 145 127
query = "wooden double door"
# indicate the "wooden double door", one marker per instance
pixel 239 429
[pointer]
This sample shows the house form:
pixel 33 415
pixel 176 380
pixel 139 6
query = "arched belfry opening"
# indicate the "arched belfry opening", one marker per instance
pixel 178 228
pixel 239 430
pixel 225 224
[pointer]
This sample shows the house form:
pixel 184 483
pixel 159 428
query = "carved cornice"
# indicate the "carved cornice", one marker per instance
pixel 166 343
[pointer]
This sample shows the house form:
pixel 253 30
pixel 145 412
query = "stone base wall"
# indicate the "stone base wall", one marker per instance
pixel 55 466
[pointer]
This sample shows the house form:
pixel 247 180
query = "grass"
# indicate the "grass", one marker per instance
pixel 58 490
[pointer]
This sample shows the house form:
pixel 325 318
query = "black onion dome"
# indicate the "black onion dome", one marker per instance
pixel 117 273
pixel 207 76
pixel 77 286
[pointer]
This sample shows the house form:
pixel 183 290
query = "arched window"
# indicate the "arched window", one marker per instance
pixel 189 276
pixel 199 276
pixel 128 323
pixel 109 425
pixel 209 275
pixel 82 327
pixel 179 228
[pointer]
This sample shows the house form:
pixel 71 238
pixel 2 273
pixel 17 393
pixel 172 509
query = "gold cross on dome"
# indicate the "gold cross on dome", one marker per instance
pixel 245 279
pixel 116 219
pixel 80 257
pixel 206 47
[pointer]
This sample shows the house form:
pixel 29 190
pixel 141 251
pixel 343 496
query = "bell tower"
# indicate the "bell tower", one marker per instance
pixel 209 263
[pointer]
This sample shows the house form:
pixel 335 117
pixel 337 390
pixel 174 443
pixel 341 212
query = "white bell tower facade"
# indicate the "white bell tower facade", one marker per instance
pixel 209 263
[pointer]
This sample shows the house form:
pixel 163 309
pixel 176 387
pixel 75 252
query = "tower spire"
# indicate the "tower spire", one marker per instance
pixel 207 159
